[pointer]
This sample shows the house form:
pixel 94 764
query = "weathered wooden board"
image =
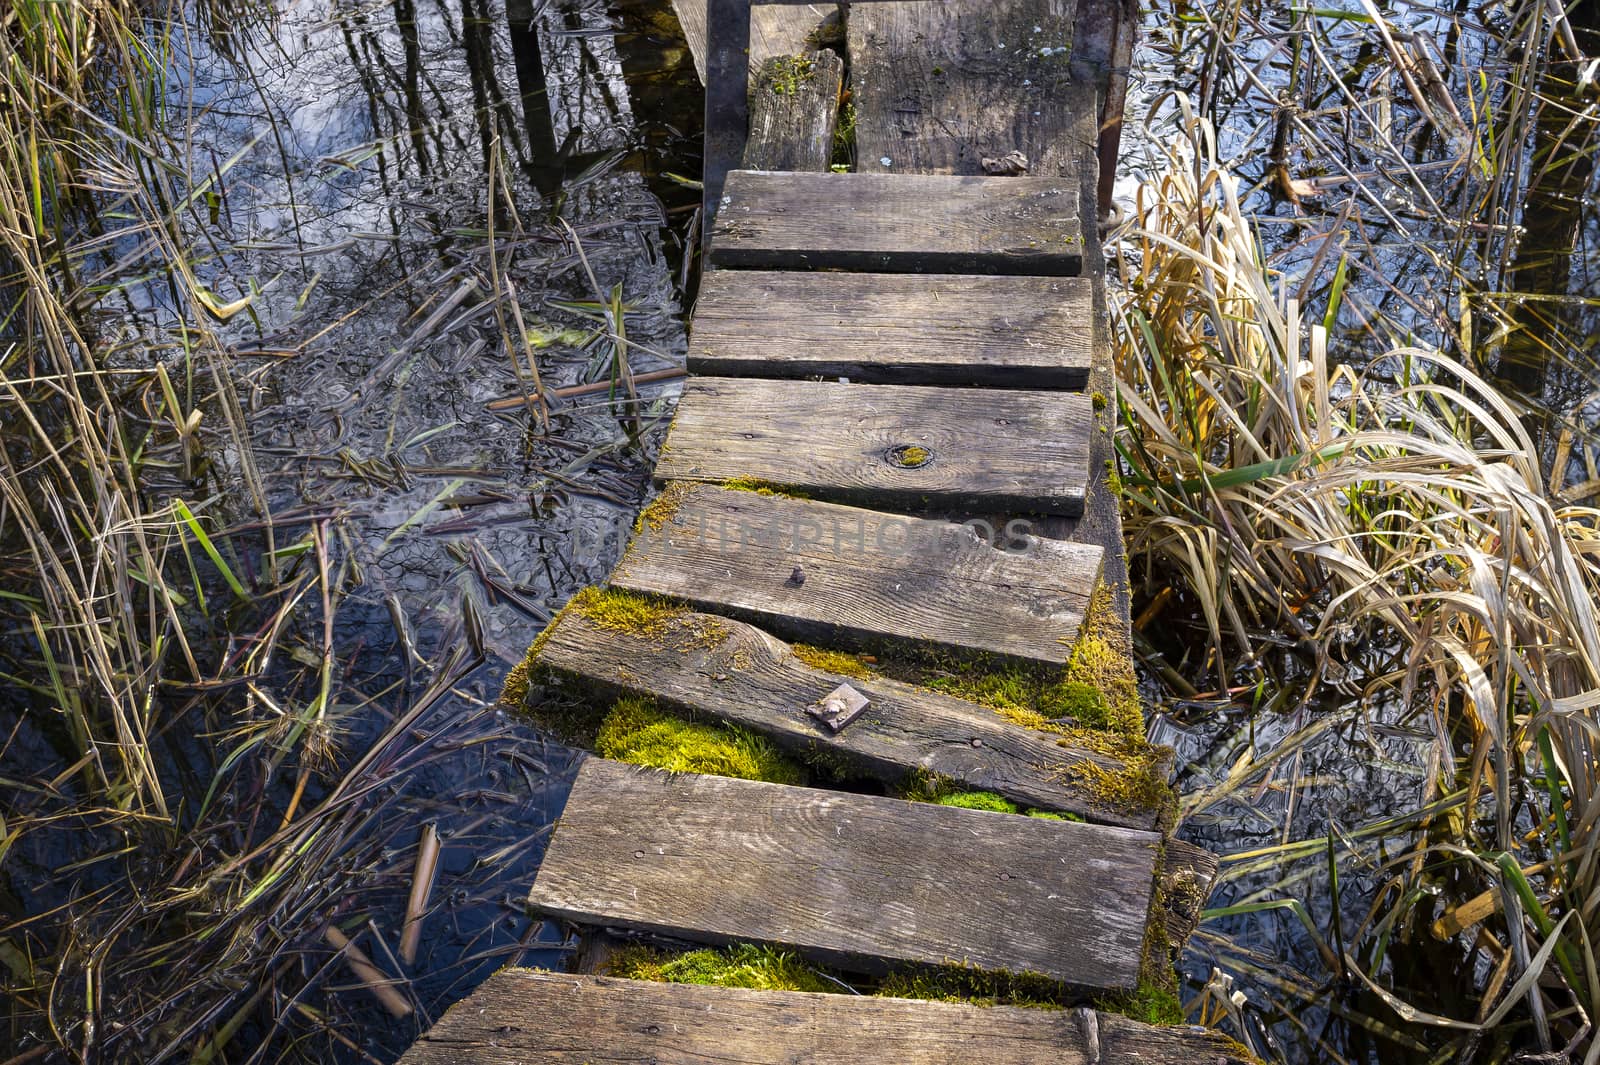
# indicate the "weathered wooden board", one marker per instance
pixel 898 223
pixel 774 30
pixel 849 879
pixel 914 329
pixel 843 576
pixel 528 1017
pixel 896 445
pixel 753 680
pixel 933 90
pixel 938 88
pixel 794 107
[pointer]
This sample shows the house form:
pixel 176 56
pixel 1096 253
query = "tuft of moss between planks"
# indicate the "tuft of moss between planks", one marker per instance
pixel 637 732
pixel 741 965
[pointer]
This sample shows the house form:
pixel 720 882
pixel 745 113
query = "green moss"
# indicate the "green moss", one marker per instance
pixel 635 731
pixel 741 965
pixel 660 510
pixel 760 488
pixel 844 136
pixel 1099 401
pixel 911 456
pixel 1099 688
pixel 979 800
pixel 838 662
pixel 959 983
pixel 1149 1003
pixel 783 75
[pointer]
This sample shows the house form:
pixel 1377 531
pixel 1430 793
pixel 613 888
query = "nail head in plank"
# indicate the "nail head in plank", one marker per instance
pixel 898 223
pixel 849 879
pixel 530 1017
pixel 752 679
pixel 868 579
pixel 913 329
pixel 1017 452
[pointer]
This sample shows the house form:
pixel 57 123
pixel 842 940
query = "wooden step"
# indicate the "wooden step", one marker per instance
pixel 886 445
pixel 857 881
pixel 910 329
pixel 754 680
pixel 899 223
pixel 529 1017
pixel 846 577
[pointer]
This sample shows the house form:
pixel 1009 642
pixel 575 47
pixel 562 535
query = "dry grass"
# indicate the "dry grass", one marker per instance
pixel 1399 509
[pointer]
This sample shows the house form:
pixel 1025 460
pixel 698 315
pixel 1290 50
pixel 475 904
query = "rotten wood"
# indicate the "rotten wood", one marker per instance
pixel 899 223
pixel 915 329
pixel 886 445
pixel 794 108
pixel 865 578
pixel 848 879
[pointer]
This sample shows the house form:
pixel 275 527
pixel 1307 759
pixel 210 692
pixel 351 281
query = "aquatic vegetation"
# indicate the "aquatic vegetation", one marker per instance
pixel 1384 523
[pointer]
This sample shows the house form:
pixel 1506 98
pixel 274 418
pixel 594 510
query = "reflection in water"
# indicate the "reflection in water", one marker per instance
pixel 387 293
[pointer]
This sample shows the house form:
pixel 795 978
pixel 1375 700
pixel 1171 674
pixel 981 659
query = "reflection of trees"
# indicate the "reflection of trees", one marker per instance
pixel 1546 358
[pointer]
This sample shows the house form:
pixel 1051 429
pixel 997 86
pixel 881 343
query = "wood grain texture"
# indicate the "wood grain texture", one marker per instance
pixel 774 30
pixel 933 90
pixel 867 579
pixel 939 87
pixel 913 329
pixel 1019 452
pixel 753 680
pixel 794 107
pixel 898 223
pixel 529 1017
pixel 848 879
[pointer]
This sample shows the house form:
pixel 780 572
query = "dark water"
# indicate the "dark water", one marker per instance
pixel 346 151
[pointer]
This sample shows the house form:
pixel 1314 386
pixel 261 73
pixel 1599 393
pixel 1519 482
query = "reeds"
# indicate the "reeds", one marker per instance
pixel 1386 529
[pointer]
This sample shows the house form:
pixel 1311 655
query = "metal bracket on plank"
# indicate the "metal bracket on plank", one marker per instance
pixel 838 708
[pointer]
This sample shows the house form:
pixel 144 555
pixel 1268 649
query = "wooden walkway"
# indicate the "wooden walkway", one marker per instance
pixel 885 511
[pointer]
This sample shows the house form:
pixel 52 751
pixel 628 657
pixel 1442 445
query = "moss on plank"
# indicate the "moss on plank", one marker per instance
pixel 841 663
pixel 785 74
pixel 741 965
pixel 636 731
pixel 977 987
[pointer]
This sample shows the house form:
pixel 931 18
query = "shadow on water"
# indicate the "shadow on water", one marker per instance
pixel 412 210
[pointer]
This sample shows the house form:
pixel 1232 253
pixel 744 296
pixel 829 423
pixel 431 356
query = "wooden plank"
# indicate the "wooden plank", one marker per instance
pixel 918 329
pixel 898 223
pixel 794 107
pixel 529 1017
pixel 774 30
pixel 946 119
pixel 754 680
pixel 938 88
pixel 849 879
pixel 843 576
pixel 899 445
